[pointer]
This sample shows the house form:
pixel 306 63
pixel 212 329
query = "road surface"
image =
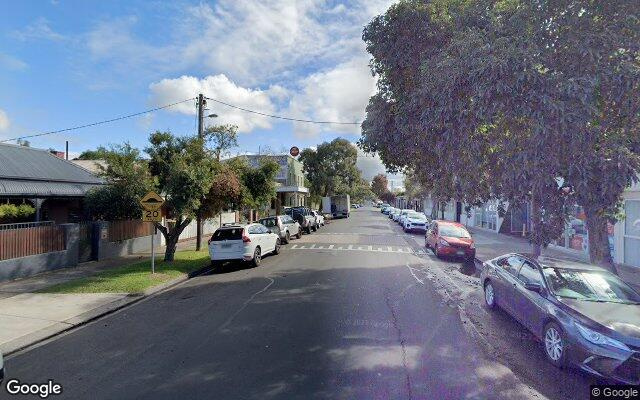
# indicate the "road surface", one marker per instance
pixel 357 310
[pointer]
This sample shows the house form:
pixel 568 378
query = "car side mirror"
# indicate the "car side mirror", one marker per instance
pixel 534 287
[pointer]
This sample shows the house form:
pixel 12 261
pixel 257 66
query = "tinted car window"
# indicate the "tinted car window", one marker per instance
pixel 589 285
pixel 254 229
pixel 511 264
pixel 530 274
pixel 269 222
pixel 227 234
pixel 287 219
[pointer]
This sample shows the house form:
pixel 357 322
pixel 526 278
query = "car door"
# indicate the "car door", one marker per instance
pixel 269 239
pixel 528 304
pixel 507 271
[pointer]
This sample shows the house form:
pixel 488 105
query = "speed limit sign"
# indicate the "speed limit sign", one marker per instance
pixel 151 215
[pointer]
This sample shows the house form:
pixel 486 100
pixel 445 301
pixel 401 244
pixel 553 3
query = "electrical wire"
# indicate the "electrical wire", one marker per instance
pixel 281 117
pixel 98 123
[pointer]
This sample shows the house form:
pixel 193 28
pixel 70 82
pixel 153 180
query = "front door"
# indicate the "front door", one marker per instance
pixel 528 305
pixel 505 286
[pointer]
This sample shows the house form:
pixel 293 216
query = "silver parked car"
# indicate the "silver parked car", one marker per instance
pixel 283 226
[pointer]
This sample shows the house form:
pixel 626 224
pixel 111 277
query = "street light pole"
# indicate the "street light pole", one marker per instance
pixel 201 104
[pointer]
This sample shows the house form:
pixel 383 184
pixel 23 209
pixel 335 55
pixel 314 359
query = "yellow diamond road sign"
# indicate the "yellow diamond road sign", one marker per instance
pixel 152 201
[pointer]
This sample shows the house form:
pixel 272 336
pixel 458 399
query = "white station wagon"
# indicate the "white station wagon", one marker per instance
pixel 242 243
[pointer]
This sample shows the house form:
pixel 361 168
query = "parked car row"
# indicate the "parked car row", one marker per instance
pixel 250 242
pixel 410 220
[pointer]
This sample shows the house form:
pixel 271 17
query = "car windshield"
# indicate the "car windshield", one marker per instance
pixel 454 231
pixel 589 285
pixel 416 216
pixel 227 234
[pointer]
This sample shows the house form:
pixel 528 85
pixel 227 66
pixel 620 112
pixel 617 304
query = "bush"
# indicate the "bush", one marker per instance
pixel 11 213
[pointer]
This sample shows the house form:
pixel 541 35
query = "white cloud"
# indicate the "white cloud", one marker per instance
pixel 221 88
pixel 38 29
pixel 4 121
pixel 12 63
pixel 339 94
pixel 371 165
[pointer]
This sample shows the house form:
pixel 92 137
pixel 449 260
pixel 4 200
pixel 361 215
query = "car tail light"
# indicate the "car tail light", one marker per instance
pixel 245 238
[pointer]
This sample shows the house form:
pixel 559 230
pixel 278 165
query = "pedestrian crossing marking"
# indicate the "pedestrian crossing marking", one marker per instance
pixel 351 247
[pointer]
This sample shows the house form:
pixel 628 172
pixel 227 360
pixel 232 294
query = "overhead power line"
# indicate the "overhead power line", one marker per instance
pixel 281 117
pixel 100 122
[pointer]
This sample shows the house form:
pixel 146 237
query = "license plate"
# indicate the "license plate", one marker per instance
pixel 460 252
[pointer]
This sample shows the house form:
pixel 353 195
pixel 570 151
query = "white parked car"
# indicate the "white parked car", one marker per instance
pixel 400 215
pixel 242 243
pixel 415 221
pixel 283 226
pixel 319 218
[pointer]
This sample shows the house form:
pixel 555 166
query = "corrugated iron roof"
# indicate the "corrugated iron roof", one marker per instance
pixel 26 163
pixel 26 188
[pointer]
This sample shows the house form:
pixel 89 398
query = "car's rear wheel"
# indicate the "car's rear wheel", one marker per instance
pixel 314 228
pixel 308 230
pixel 287 238
pixel 489 295
pixel 277 249
pixel 555 344
pixel 257 257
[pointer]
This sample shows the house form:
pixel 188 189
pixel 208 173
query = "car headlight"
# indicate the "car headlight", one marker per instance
pixel 472 245
pixel 444 242
pixel 600 339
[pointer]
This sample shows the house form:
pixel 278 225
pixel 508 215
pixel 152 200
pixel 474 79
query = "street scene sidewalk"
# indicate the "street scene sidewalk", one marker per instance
pixel 490 244
pixel 28 314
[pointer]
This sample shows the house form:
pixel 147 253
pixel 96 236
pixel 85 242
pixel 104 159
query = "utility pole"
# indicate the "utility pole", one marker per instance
pixel 201 104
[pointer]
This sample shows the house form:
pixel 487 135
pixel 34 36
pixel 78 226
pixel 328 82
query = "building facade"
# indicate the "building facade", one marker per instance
pixel 291 190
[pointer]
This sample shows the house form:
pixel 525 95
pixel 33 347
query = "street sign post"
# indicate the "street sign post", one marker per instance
pixel 151 204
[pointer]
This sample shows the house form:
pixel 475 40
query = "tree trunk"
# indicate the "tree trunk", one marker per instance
pixel 536 222
pixel 599 251
pixel 171 237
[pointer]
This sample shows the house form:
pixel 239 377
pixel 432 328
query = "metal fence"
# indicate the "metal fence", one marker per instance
pixel 30 240
pixel 21 225
pixel 123 230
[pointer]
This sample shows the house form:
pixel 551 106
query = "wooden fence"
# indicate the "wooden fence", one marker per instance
pixel 123 230
pixel 28 241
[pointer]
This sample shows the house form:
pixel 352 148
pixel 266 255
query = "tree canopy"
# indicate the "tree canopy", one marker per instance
pixel 504 99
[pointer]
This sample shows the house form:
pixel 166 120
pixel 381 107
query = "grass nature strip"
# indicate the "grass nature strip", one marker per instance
pixel 136 277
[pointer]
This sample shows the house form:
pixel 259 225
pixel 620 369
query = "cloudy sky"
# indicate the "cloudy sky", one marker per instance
pixel 66 63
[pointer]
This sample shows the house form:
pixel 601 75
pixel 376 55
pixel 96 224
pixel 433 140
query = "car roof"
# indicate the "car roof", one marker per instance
pixel 561 263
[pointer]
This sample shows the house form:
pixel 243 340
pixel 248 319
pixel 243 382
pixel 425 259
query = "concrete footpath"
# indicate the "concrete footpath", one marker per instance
pixel 28 317
pixel 490 244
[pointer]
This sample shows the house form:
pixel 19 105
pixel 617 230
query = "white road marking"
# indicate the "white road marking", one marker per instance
pixel 368 248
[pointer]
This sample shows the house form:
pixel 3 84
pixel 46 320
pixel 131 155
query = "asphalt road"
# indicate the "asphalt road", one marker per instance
pixel 357 310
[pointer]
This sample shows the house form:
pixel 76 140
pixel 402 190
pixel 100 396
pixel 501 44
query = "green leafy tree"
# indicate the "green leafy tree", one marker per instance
pixel 221 138
pixel 184 173
pixel 331 168
pixel 128 180
pixel 100 153
pixel 259 183
pixel 492 99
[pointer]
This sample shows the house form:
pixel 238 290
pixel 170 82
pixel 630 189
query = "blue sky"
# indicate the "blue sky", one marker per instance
pixel 69 62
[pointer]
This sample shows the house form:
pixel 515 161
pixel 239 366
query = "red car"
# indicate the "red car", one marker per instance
pixel 448 238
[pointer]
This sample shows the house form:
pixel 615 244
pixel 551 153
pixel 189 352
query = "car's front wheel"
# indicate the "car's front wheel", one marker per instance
pixel 489 295
pixel 287 238
pixel 555 344
pixel 257 257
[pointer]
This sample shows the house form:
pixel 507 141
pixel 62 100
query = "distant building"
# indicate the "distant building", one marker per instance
pixel 54 186
pixel 291 190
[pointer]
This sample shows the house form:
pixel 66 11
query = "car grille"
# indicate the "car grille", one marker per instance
pixel 629 370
